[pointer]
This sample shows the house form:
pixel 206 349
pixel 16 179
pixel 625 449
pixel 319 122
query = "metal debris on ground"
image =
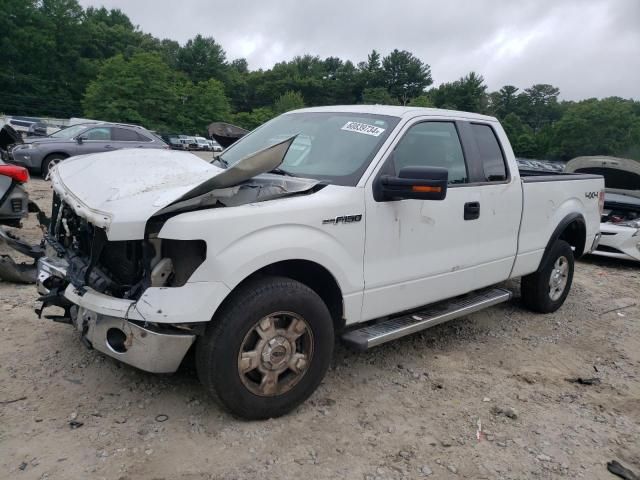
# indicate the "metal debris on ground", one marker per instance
pixel 75 424
pixel 617 469
pixel 584 381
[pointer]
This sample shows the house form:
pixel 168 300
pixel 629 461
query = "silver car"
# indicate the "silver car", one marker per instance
pixel 40 153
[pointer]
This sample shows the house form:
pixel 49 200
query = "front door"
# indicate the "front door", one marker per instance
pixel 421 251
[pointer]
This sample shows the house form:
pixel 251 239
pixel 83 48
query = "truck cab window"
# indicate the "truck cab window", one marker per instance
pixel 432 144
pixel 490 153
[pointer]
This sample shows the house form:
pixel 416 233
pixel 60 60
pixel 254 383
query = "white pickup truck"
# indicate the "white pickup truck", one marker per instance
pixel 364 222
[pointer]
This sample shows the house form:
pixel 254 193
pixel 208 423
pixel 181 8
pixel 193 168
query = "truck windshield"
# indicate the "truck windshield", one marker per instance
pixel 330 146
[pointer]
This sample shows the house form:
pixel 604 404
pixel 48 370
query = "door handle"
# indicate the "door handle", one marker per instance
pixel 471 210
pixel 108 147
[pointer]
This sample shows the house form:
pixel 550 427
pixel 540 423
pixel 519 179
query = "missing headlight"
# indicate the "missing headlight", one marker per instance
pixel 185 257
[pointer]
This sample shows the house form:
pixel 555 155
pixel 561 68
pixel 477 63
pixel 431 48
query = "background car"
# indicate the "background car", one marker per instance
pixel 190 142
pixel 40 153
pixel 214 146
pixel 173 140
pixel 203 143
pixel 14 201
pixel 620 227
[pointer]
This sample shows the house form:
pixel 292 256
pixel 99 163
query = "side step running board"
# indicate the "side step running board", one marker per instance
pixel 381 331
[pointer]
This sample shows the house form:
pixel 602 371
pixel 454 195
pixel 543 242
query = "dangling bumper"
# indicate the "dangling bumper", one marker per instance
pixel 112 325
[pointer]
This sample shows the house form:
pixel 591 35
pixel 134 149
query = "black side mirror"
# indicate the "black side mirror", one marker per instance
pixel 80 139
pixel 419 183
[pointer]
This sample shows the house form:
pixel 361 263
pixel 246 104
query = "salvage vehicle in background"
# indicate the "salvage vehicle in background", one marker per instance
pixel 14 207
pixel 367 222
pixel 173 140
pixel 620 225
pixel 39 154
pixel 214 146
pixel 190 143
pixel 8 137
pixel 14 201
pixel 203 144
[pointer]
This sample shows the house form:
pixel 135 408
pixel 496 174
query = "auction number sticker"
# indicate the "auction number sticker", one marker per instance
pixel 363 128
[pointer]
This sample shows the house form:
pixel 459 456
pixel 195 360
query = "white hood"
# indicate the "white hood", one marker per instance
pixel 119 191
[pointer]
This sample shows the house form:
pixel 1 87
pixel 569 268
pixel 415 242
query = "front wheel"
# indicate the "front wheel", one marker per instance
pixel 49 162
pixel 545 290
pixel 268 349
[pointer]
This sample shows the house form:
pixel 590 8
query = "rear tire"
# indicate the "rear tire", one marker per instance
pixel 50 161
pixel 545 290
pixel 268 349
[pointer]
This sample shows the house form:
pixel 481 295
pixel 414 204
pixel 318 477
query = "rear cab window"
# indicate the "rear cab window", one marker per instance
pixel 491 157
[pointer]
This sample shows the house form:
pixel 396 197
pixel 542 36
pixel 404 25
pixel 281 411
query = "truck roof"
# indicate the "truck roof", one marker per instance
pixel 397 111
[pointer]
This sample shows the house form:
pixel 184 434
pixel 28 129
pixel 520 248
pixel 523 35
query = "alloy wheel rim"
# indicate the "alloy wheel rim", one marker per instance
pixel 558 278
pixel 275 354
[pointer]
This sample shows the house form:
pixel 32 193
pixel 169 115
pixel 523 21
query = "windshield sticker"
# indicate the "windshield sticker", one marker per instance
pixel 363 128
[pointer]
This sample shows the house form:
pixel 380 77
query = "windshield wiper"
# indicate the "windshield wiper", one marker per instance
pixel 279 171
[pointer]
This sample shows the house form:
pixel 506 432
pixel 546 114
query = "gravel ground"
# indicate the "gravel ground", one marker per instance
pixel 407 409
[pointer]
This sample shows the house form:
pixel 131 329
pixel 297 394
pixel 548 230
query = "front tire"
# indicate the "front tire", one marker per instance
pixel 268 349
pixel 49 162
pixel 546 290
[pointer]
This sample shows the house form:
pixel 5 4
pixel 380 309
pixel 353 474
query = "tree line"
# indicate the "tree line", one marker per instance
pixel 59 59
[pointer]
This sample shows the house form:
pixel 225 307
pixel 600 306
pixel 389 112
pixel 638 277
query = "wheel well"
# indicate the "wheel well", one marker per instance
pixel 314 276
pixel 575 234
pixel 57 154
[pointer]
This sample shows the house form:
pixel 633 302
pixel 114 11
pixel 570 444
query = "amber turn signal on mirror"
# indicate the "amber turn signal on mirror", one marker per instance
pixel 426 189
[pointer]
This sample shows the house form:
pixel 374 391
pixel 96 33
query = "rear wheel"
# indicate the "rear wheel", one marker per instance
pixel 50 161
pixel 268 349
pixel 546 290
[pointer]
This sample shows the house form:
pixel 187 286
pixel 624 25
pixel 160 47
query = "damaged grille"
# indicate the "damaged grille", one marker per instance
pixel 116 268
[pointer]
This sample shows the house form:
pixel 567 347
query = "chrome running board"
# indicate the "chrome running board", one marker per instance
pixel 381 331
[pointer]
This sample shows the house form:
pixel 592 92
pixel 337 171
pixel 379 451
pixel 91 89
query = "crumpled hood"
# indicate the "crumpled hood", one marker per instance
pixel 121 190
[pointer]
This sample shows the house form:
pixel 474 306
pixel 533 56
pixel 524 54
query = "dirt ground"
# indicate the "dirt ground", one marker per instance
pixel 407 409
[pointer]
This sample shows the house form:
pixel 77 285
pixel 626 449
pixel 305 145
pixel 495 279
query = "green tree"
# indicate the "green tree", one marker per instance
pixel 405 76
pixel 142 90
pixel 203 103
pixel 202 58
pixel 288 101
pixel 504 101
pixel 371 73
pixel 467 94
pixel 421 101
pixel 378 96
pixel 520 136
pixel 539 105
pixel 598 127
pixel 253 119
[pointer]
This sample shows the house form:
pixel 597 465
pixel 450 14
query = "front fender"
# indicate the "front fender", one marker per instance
pixel 269 245
pixel 242 240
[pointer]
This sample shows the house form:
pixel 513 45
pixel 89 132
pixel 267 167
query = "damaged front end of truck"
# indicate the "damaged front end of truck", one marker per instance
pixel 106 265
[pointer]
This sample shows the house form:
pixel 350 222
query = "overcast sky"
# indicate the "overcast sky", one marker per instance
pixel 587 48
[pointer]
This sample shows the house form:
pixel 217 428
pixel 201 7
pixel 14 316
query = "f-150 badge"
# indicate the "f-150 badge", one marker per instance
pixel 343 219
